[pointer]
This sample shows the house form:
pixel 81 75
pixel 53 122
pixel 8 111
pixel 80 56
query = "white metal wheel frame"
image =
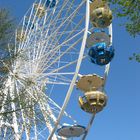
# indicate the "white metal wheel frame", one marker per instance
pixel 39 60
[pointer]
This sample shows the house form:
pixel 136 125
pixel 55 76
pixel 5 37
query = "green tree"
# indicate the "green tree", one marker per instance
pixel 6 27
pixel 6 31
pixel 130 10
pixel 21 99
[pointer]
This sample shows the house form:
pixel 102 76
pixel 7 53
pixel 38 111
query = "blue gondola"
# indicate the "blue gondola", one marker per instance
pixel 101 54
pixel 50 3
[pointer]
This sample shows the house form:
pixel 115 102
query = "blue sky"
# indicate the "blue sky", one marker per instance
pixel 120 119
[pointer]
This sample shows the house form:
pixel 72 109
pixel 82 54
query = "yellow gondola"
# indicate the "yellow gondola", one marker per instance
pixel 21 36
pixel 85 105
pixel 100 14
pixel 90 82
pixel 40 10
pixel 93 101
pixel 98 3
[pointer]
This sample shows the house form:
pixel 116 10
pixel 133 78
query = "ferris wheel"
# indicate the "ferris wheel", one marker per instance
pixel 51 42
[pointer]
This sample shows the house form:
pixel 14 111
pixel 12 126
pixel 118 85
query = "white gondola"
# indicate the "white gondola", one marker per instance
pixel 71 131
pixel 97 36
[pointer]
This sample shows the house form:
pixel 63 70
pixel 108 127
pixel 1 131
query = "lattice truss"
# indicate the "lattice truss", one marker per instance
pixel 46 49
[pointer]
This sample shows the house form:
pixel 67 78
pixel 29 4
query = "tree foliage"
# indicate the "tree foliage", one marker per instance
pixel 6 27
pixel 23 102
pixel 6 31
pixel 135 57
pixel 130 10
